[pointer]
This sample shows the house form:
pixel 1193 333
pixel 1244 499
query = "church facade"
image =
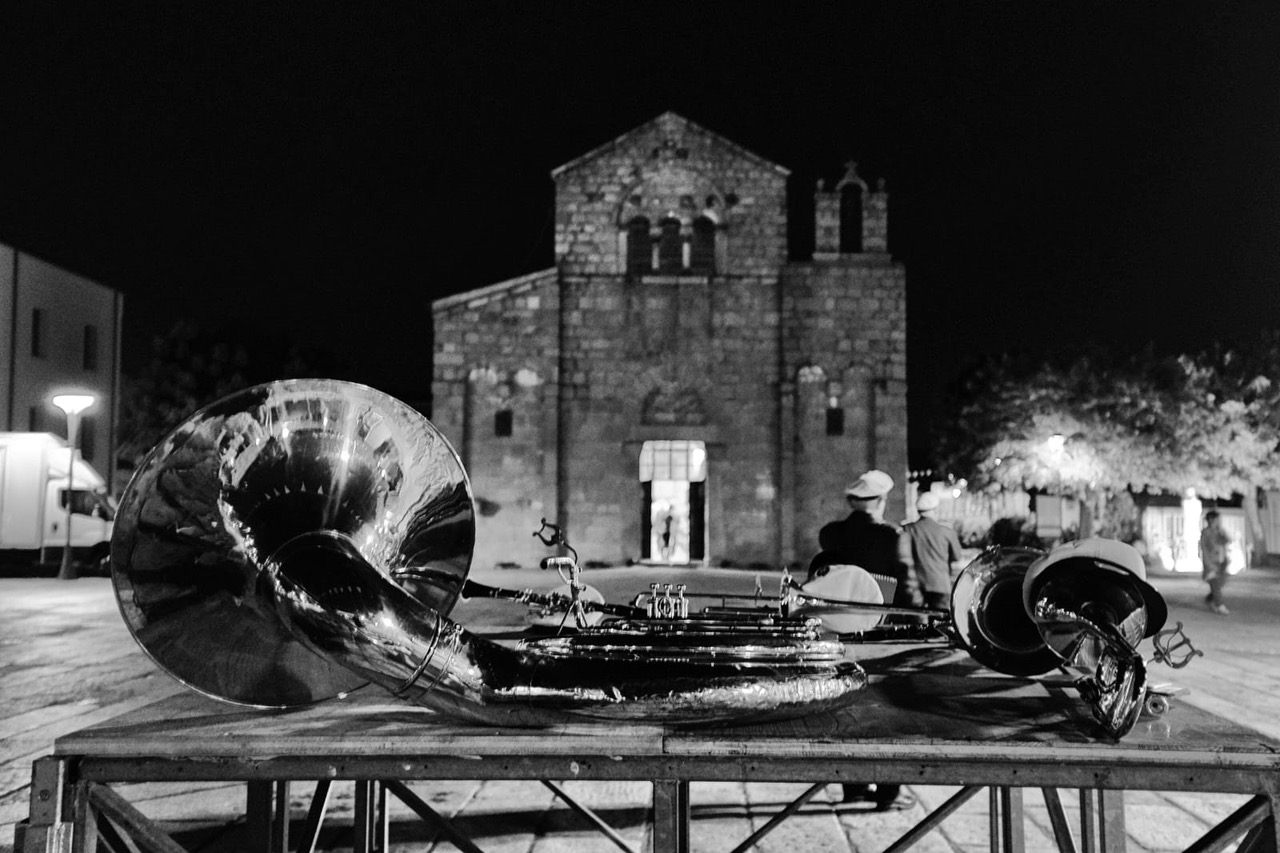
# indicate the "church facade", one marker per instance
pixel 675 389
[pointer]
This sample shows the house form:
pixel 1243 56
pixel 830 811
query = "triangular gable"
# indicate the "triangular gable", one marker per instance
pixel 669 119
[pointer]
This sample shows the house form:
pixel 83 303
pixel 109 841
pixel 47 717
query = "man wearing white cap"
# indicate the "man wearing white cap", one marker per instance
pixel 935 553
pixel 865 539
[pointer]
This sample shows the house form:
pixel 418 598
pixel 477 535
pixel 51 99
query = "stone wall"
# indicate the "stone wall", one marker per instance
pixel 690 360
pixel 497 349
pixel 844 327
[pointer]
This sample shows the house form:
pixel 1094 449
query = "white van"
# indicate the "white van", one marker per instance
pixel 33 504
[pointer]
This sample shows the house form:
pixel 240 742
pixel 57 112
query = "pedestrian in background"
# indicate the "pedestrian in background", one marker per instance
pixel 1215 554
pixel 935 553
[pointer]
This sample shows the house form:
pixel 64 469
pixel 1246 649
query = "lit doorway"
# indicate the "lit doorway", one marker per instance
pixel 673 480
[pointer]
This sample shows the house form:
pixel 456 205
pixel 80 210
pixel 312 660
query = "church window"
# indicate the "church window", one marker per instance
pixel 639 252
pixel 673 460
pixel 702 254
pixel 37 333
pixel 670 246
pixel 835 421
pixel 502 421
pixel 851 218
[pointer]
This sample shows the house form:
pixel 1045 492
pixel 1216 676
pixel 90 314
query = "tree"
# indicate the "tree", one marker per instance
pixel 192 365
pixel 1089 426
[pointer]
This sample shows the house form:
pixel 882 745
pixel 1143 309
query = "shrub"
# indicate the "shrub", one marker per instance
pixel 1013 531
pixel 972 534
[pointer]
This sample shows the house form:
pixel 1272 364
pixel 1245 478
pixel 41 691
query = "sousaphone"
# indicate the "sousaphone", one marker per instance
pixel 300 538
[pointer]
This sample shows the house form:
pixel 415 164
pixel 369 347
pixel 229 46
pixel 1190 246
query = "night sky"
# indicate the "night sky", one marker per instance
pixel 1058 173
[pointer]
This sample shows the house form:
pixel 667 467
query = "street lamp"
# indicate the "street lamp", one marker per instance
pixel 72 405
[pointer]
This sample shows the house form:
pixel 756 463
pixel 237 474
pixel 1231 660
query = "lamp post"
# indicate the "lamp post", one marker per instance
pixel 72 405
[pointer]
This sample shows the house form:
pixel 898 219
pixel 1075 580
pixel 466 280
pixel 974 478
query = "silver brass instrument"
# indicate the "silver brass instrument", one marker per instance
pixel 1082 609
pixel 299 538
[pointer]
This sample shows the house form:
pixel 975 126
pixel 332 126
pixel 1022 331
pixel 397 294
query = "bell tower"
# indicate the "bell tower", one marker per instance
pixel 850 218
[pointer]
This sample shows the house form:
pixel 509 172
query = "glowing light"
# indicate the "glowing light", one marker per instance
pixel 73 404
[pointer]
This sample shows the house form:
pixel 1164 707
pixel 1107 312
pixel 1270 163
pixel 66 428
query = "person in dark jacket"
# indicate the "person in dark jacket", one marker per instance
pixel 865 539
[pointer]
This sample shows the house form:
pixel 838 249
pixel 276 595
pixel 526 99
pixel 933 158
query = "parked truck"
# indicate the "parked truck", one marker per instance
pixel 33 504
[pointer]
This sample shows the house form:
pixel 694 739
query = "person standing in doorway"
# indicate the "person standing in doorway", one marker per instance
pixel 666 537
pixel 865 539
pixel 1215 554
pixel 935 553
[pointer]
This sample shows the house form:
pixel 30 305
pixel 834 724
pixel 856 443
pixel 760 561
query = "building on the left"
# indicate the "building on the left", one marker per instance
pixel 59 333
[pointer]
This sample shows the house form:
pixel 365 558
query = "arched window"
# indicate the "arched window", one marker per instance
pixel 851 218
pixel 702 257
pixel 639 252
pixel 670 248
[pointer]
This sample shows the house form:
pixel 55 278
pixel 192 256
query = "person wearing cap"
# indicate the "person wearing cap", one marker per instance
pixel 935 553
pixel 865 539
pixel 1215 555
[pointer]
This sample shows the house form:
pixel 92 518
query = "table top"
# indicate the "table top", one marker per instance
pixel 921 704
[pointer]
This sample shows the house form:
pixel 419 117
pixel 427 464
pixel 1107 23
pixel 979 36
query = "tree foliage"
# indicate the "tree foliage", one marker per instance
pixel 1208 421
pixel 192 365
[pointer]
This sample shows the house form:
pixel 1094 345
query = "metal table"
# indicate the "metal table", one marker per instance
pixel 932 717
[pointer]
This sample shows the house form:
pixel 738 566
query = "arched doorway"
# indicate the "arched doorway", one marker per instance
pixel 673 486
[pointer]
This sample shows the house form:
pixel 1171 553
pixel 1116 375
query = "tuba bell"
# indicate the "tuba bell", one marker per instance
pixel 298 539
pixel 1082 607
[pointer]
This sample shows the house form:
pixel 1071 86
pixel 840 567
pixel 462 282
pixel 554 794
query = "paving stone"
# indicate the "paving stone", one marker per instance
pixel 1162 827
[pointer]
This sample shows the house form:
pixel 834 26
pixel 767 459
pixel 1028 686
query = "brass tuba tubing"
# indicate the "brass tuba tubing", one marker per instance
pixel 473 589
pixel 298 539
pixel 342 607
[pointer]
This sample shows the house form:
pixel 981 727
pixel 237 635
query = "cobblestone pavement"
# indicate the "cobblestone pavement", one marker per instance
pixel 67 661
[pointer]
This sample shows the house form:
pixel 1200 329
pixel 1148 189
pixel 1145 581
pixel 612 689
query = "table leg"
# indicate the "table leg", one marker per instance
pixel 670 816
pixel 47 829
pixel 85 820
pixel 1102 827
pixel 372 827
pixel 257 821
pixel 1005 819
pixel 362 822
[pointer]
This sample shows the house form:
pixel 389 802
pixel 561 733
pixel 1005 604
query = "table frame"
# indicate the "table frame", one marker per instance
pixel 1001 734
pixel 70 794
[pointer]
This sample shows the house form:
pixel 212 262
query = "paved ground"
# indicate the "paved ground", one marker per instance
pixel 67 661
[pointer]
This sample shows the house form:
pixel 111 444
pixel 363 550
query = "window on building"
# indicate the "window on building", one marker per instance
pixel 835 421
pixel 89 356
pixel 502 421
pixel 702 256
pixel 639 250
pixel 851 218
pixel 670 247
pixel 88 436
pixel 35 420
pixel 37 333
pixel 673 460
